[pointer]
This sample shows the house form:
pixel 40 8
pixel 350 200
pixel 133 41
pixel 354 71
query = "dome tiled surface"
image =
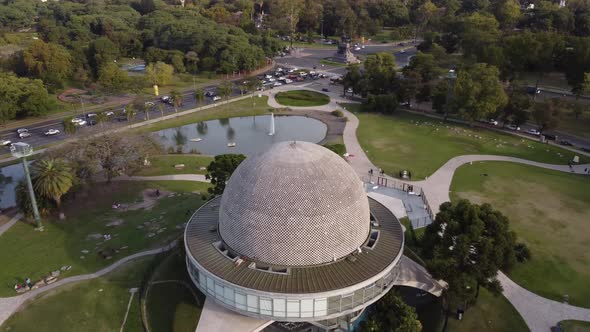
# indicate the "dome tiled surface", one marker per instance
pixel 296 204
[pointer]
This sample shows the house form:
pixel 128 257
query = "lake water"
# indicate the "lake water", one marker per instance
pixel 11 175
pixel 249 133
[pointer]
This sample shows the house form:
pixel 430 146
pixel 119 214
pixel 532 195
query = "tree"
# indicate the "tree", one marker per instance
pixel 101 118
pixel 23 201
pixel 50 62
pixel 176 97
pixel 352 79
pixel 22 97
pixel 425 65
pixel 380 76
pixel 466 245
pixel 507 12
pixel 52 178
pixel 161 109
pixel 516 110
pixel 199 96
pixel 102 51
pixel 112 79
pixel 159 73
pixel 547 114
pixel 220 170
pixel 69 126
pixel 478 93
pixel 130 112
pixel 285 15
pixel 225 89
pixel 391 314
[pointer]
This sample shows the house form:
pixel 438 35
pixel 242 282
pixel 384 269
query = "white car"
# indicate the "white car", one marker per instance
pixel 357 48
pixel 5 142
pixel 80 123
pixel 90 115
pixel 288 81
pixel 110 113
pixel 77 120
pixel 51 132
pixel 216 98
pixel 513 127
pixel 24 134
pixel 277 84
pixel 533 131
pixel 267 76
pixel 493 122
pixel 271 79
pixel 149 104
pixel 22 130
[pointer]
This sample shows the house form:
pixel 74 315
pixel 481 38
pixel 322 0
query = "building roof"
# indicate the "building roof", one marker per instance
pixel 297 204
pixel 201 235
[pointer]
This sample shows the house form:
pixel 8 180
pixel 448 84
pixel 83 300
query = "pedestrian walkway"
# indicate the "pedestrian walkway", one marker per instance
pixel 174 177
pixel 10 223
pixel 10 305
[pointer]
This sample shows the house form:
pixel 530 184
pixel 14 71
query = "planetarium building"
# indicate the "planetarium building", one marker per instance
pixel 294 238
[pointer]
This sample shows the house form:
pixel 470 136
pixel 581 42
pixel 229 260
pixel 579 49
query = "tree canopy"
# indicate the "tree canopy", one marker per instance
pixel 220 170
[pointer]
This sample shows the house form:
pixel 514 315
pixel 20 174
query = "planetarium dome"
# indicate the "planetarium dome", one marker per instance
pixel 297 204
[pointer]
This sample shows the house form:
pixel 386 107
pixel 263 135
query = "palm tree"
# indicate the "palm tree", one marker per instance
pixel 176 99
pixel 130 112
pixel 69 126
pixel 199 96
pixel 225 89
pixel 161 108
pixel 52 178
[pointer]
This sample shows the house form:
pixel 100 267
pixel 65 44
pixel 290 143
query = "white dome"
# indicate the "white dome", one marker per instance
pixel 296 204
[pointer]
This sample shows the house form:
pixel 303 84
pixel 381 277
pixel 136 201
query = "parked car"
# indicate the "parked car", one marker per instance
pixel 405 103
pixel 216 98
pixel 493 122
pixel 80 123
pixel 349 90
pixel 532 90
pixel 165 99
pixel 22 130
pixel 550 137
pixel 5 142
pixel 24 134
pixel 565 142
pixel 288 81
pixel 110 113
pixel 277 84
pixel 51 132
pixel 533 131
pixel 149 104
pixel 513 127
pixel 77 120
pixel 272 79
pixel 325 89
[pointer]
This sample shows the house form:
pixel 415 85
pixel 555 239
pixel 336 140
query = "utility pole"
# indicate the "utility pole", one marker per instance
pixel 451 76
pixel 21 150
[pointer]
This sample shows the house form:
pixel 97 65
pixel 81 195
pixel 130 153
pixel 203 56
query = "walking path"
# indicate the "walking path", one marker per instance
pixel 11 223
pixel 10 305
pixel 174 177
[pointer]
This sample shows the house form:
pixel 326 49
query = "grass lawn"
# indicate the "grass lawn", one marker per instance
pixel 491 313
pixel 170 305
pixel 575 326
pixel 184 81
pixel 77 240
pixel 549 211
pixel 164 164
pixel 332 63
pixel 422 145
pixel 302 98
pixel 244 107
pixel 95 305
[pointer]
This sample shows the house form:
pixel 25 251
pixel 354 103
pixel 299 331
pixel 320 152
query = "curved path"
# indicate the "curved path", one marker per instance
pixel 9 305
pixel 539 313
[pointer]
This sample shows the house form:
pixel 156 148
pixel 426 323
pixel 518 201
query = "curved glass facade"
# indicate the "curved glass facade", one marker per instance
pixel 292 307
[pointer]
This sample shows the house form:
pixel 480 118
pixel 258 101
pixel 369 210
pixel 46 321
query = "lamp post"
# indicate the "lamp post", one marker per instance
pixel 21 151
pixel 451 76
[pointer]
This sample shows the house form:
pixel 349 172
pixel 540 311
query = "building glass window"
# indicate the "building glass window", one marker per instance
pixel 279 307
pixel 307 308
pixel 218 291
pixel 293 308
pixel 265 306
pixel 252 303
pixel 240 301
pixel 210 286
pixel 228 295
pixel 320 307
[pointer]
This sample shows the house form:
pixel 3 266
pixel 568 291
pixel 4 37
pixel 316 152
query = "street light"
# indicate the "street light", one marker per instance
pixel 451 76
pixel 21 150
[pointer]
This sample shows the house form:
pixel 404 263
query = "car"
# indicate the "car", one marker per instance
pixel 513 127
pixel 357 48
pixel 405 103
pixel 362 46
pixel 550 137
pixel 267 76
pixel 532 90
pixel 91 115
pixel 24 135
pixel 493 122
pixel 91 122
pixel 216 98
pixel 349 90
pixel 325 89
pixel 77 120
pixel 149 104
pixel 165 99
pixel 277 84
pixel 299 79
pixel 110 113
pixel 22 130
pixel 533 131
pixel 5 142
pixel 402 51
pixel 51 132
pixel 80 123
pixel 288 81
pixel 272 79
pixel 565 142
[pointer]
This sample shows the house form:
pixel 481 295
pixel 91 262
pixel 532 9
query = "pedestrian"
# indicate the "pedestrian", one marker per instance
pixel 157 192
pixel 409 174
pixel 28 282
pixel 371 171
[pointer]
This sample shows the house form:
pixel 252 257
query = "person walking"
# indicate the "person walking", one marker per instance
pixel 28 282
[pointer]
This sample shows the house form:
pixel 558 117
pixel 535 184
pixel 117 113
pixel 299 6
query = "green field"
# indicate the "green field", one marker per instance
pixel 575 326
pixel 491 313
pixel 422 145
pixel 164 164
pixel 171 305
pixel 77 240
pixel 549 211
pixel 97 305
pixel 302 98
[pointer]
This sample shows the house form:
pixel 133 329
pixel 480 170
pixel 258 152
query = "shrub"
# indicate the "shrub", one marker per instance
pixel 522 252
pixel 339 149
pixel 337 113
